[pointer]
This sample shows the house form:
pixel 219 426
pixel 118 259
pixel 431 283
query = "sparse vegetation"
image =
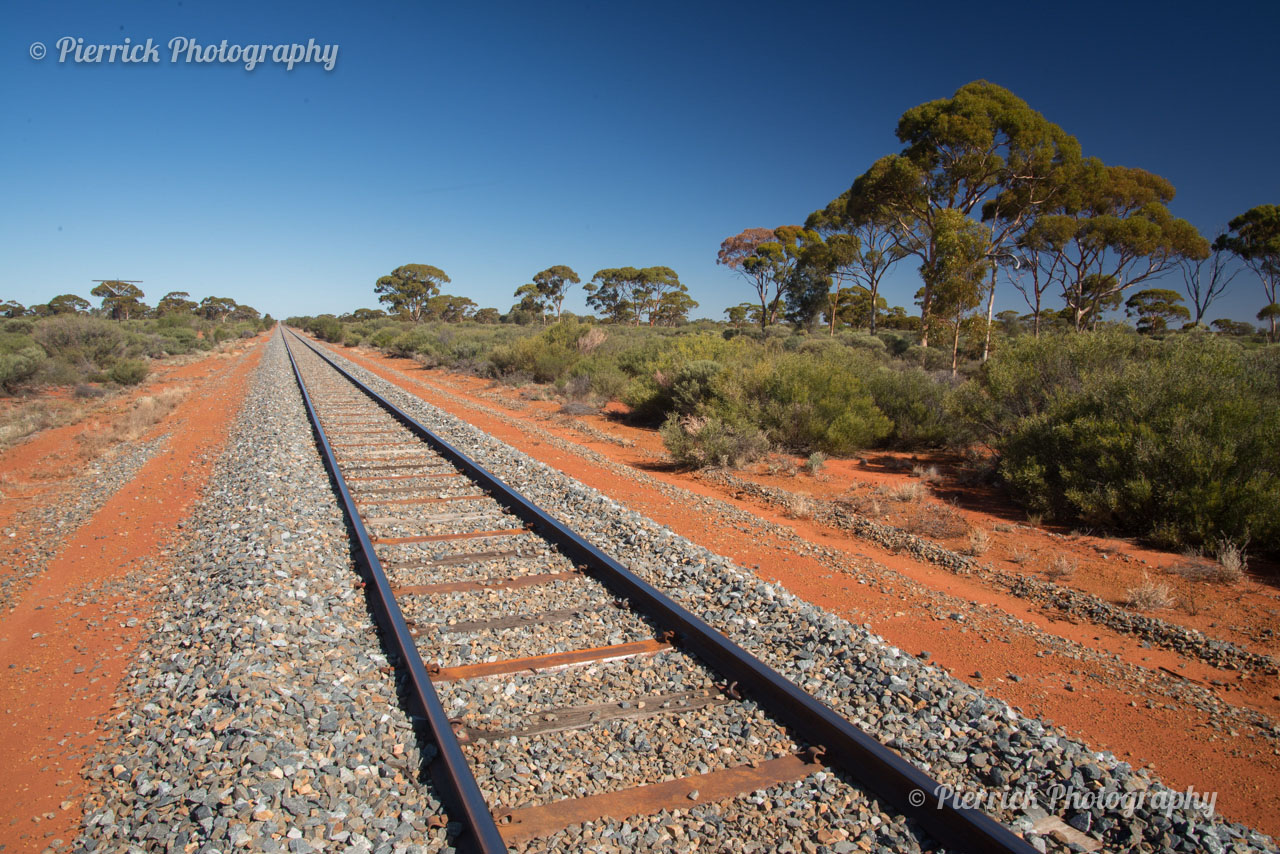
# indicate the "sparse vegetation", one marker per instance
pixel 1060 569
pixel 979 542
pixel 908 492
pixel 128 371
pixel 928 476
pixel 1232 563
pixel 816 461
pixel 1149 595
pixel 939 521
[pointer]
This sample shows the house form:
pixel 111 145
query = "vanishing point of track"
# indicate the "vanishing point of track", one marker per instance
pixel 470 581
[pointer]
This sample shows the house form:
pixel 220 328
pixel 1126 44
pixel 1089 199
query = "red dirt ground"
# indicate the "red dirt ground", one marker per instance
pixel 1085 695
pixel 65 644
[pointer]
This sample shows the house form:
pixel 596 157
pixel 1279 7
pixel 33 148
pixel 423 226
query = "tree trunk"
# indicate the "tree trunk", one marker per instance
pixel 991 307
pixel 924 318
pixel 955 348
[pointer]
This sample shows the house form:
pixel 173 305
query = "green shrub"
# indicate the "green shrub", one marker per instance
pixel 327 328
pixel 14 342
pixel 384 336
pixel 352 338
pixel 1176 440
pixel 699 442
pixel 694 386
pixel 128 371
pixel 18 326
pixel 913 400
pixel 416 340
pixel 82 342
pixel 809 403
pixel 18 369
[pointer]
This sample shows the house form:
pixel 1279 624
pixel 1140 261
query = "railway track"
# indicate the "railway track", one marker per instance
pixel 558 687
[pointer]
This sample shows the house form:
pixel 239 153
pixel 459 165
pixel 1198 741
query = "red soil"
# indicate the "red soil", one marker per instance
pixel 65 645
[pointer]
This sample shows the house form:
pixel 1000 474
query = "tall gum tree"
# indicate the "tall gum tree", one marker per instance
pixel 981 152
pixel 768 258
pixel 553 283
pixel 120 299
pixel 859 253
pixel 1254 236
pixel 1110 230
pixel 408 288
pixel 957 272
pixel 630 294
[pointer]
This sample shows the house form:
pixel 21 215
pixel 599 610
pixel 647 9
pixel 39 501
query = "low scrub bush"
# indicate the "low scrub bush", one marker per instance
pixel 19 369
pixel 939 521
pixel 327 328
pixel 1175 440
pixel 128 371
pixel 82 342
pixel 914 401
pixel 700 442
pixel 808 403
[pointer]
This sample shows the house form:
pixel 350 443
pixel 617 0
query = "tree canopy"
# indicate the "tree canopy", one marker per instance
pixel 408 288
pixel 119 299
pixel 630 294
pixel 1254 236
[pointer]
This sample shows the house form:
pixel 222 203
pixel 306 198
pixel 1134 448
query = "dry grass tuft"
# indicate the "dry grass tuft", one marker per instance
pixel 1149 595
pixel 800 506
pixel 130 425
pixel 979 542
pixel 1020 556
pixel 926 475
pixel 936 521
pixel 1061 568
pixel 591 339
pixel 1232 563
pixel 909 492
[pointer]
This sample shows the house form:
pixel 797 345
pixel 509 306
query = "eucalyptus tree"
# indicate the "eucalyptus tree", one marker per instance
pixel 553 283
pixel 982 152
pixel 629 294
pixel 1254 236
pixel 67 304
pixel 859 253
pixel 409 287
pixel 611 292
pixel 120 299
pixel 673 307
pixel 217 308
pixel 12 308
pixel 449 308
pixel 768 258
pixel 1110 230
pixel 1154 308
pixel 176 302
pixel 957 271
pixel 1206 279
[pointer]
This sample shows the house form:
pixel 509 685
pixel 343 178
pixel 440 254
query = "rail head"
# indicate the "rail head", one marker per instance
pixel 882 771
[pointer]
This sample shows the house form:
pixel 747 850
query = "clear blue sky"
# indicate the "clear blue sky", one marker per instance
pixel 494 140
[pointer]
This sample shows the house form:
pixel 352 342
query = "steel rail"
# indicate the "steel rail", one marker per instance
pixel 882 771
pixel 456 784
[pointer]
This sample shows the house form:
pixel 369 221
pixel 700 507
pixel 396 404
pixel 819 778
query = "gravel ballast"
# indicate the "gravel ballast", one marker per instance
pixel 959 735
